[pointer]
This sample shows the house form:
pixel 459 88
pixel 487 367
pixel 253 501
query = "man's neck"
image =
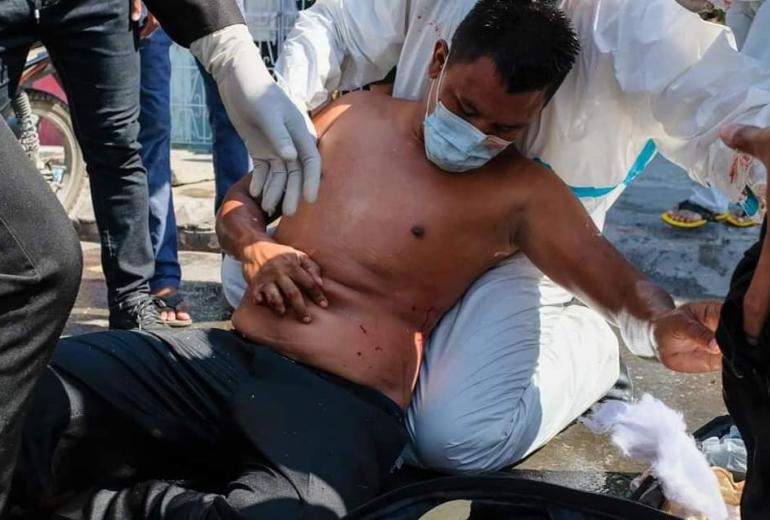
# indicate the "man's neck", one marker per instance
pixel 414 117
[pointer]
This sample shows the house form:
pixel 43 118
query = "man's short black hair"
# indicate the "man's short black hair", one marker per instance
pixel 531 42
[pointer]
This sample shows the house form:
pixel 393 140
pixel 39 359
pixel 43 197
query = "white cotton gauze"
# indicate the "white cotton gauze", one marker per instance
pixel 650 431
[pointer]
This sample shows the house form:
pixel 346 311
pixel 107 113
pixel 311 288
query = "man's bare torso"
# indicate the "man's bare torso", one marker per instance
pixel 398 240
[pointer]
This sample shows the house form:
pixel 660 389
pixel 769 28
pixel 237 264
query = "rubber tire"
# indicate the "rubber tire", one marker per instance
pixel 57 113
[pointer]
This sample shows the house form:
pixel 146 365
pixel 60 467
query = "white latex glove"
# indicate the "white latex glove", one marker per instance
pixel 278 135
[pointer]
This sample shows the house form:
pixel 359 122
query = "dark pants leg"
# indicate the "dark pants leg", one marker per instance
pixel 94 48
pixel 746 387
pixel 275 439
pixel 155 138
pixel 40 269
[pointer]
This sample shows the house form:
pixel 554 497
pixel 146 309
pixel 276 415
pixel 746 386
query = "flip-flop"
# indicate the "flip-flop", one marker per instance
pixel 706 216
pixel 172 301
pixel 740 220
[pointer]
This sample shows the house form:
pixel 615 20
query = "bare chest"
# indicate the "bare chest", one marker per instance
pixel 385 215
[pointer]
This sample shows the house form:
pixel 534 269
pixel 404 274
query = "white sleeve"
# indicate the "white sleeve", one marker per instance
pixel 341 44
pixel 694 78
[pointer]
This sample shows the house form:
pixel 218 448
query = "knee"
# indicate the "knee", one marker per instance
pixel 233 282
pixel 474 441
pixel 62 268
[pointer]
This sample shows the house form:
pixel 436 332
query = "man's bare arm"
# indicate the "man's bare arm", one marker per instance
pixel 278 275
pixel 558 235
pixel 240 222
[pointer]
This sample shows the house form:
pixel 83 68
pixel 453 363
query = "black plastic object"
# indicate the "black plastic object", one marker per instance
pixel 503 498
pixel 650 492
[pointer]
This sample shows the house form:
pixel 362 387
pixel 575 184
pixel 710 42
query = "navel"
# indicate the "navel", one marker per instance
pixel 418 231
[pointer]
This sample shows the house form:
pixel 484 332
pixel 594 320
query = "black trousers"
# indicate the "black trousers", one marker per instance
pixel 746 387
pixel 201 424
pixel 40 269
pixel 94 47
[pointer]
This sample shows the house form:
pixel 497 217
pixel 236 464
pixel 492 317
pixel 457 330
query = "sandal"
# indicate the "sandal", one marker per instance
pixel 172 301
pixel 705 214
pixel 740 219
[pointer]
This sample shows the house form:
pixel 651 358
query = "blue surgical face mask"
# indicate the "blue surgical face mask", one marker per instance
pixel 451 142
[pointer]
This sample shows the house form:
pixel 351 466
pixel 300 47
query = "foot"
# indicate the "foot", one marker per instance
pixel 172 308
pixel 684 216
pixel 688 215
pixel 739 218
pixel 140 314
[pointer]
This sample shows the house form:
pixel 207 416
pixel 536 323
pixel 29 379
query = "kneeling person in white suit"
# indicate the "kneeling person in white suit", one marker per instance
pixel 514 362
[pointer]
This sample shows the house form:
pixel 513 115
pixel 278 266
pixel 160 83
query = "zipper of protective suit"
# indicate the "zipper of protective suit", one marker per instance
pixel 37 11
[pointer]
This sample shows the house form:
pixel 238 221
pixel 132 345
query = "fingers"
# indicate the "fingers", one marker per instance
pixel 272 297
pixel 258 177
pixel 748 139
pixel 311 267
pixel 302 132
pixel 309 277
pixel 706 313
pixel 293 189
pixel 696 362
pixel 149 27
pixel 312 178
pixel 711 314
pixel 273 124
pixel 294 296
pixel 275 186
pixel 136 10
pixel 740 137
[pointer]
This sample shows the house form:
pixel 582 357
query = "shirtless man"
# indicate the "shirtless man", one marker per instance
pixel 299 413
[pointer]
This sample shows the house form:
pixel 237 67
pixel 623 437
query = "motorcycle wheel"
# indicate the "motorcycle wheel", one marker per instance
pixel 60 161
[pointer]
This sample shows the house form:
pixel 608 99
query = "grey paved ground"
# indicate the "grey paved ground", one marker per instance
pixel 690 264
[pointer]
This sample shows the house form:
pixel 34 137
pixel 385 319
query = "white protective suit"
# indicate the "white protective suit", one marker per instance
pixel 513 363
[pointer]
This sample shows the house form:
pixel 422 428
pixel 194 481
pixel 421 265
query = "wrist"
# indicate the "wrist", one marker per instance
pixel 639 337
pixel 220 51
pixel 255 250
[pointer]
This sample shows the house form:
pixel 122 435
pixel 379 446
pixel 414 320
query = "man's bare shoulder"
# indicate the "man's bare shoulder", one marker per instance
pixel 523 171
pixel 358 103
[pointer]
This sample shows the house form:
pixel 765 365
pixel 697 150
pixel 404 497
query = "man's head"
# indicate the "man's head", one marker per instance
pixel 506 60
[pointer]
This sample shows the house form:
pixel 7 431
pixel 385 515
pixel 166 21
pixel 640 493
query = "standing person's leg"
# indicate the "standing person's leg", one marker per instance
pixel 40 257
pixel 508 368
pixel 702 206
pixel 40 270
pixel 710 198
pixel 155 138
pixel 94 48
pixel 231 158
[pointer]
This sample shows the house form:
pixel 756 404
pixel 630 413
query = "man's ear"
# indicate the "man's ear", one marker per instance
pixel 440 55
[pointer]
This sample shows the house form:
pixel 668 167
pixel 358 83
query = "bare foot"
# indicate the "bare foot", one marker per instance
pixel 685 216
pixel 181 312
